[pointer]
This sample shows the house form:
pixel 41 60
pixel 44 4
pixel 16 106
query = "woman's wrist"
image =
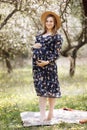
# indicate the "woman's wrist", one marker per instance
pixel 48 62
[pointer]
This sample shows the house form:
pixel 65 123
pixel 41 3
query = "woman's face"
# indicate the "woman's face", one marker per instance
pixel 49 23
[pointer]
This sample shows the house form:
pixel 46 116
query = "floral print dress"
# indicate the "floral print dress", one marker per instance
pixel 46 78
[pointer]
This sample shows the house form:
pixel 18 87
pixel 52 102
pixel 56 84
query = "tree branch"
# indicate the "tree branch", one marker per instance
pixel 67 37
pixel 64 10
pixel 7 18
pixel 9 2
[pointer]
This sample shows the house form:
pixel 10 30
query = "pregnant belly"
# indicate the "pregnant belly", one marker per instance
pixel 39 54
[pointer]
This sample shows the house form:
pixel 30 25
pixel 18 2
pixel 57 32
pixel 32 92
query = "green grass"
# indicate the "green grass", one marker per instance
pixel 17 94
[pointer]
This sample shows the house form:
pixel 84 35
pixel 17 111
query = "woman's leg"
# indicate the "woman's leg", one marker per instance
pixel 51 108
pixel 42 106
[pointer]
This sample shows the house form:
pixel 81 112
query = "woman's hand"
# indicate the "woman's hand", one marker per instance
pixel 37 45
pixel 42 63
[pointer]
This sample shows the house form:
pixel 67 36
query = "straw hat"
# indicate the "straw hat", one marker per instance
pixel 45 14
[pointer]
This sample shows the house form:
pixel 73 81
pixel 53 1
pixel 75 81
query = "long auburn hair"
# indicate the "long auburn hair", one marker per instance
pixel 54 30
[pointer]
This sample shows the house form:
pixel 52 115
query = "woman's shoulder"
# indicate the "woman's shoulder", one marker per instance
pixel 38 37
pixel 38 34
pixel 58 36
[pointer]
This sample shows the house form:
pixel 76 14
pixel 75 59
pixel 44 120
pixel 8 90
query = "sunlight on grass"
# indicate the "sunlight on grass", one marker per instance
pixel 17 94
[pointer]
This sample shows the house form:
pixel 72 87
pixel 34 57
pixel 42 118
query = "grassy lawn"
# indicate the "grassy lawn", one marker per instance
pixel 17 94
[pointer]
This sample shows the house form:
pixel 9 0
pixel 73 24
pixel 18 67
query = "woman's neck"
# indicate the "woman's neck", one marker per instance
pixel 49 32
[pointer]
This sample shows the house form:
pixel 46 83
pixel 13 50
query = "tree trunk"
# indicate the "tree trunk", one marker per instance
pixel 72 66
pixel 8 65
pixel 6 56
pixel 85 7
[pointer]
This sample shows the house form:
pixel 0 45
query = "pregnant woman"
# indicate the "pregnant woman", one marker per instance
pixel 46 51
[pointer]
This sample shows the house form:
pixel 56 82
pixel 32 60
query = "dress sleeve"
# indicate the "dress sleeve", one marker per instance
pixel 57 48
pixel 36 41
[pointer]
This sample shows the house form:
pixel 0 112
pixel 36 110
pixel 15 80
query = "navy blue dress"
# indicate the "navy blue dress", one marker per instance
pixel 46 78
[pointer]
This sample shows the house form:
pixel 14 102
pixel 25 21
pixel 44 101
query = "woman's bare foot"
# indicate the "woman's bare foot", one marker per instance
pixel 50 116
pixel 43 119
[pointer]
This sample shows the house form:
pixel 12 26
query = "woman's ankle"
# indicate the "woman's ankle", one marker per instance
pixel 50 116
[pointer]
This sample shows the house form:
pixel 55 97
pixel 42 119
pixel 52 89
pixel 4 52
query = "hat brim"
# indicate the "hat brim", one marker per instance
pixel 45 14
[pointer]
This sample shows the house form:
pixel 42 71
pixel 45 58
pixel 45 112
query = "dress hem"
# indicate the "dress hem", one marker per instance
pixel 49 96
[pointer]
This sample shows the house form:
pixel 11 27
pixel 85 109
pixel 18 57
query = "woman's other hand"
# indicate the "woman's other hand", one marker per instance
pixel 42 63
pixel 37 45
